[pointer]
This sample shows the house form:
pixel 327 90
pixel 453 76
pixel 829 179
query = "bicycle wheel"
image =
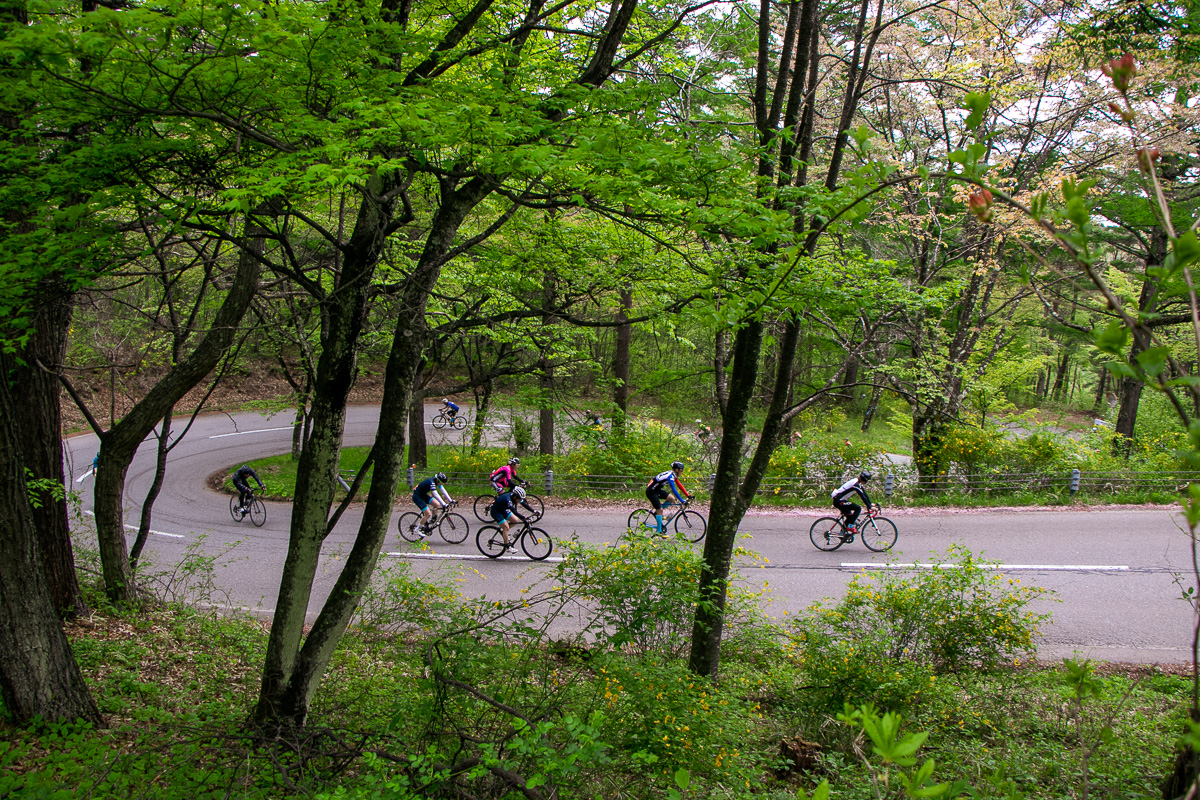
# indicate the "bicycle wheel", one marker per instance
pixel 642 521
pixel 489 541
pixel 535 504
pixel 536 543
pixel 410 526
pixel 453 528
pixel 440 421
pixel 258 512
pixel 458 423
pixel 826 534
pixel 233 509
pixel 483 507
pixel 878 534
pixel 691 525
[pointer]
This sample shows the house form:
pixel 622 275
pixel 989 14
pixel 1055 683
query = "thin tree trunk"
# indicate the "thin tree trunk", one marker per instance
pixel 483 406
pixel 546 380
pixel 160 472
pixel 120 443
pixel 621 360
pixel 418 445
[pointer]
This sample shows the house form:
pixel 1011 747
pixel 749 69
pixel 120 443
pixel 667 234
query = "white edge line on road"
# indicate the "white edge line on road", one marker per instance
pixel 135 527
pixel 998 567
pixel 246 433
pixel 468 557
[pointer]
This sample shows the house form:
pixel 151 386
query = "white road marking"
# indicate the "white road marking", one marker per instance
pixel 135 527
pixel 998 567
pixel 247 433
pixel 468 557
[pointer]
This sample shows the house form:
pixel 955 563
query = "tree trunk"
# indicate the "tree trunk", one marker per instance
pixel 294 663
pixel 621 361
pixel 38 673
pixel 928 428
pixel 160 472
pixel 120 443
pixel 1060 376
pixel 38 428
pixel 418 445
pixel 483 406
pixel 872 407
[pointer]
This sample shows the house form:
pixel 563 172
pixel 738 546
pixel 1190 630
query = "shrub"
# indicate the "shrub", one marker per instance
pixel 642 592
pixel 646 448
pixel 893 632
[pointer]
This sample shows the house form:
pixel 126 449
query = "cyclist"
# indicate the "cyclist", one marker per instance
pixel 504 508
pixel 240 481
pixel 505 477
pixel 449 409
pixel 661 487
pixel 702 430
pixel 841 499
pixel 593 419
pixel 428 495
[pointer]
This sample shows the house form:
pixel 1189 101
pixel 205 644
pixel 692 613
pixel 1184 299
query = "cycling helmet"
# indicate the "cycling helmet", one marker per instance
pixel 440 477
pixel 519 493
pixel 676 465
pixel 864 476
pixel 514 462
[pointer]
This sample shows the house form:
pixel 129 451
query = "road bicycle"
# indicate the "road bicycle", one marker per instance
pixel 878 533
pixel 452 527
pixel 257 510
pixel 689 524
pixel 536 543
pixel 532 503
pixel 443 420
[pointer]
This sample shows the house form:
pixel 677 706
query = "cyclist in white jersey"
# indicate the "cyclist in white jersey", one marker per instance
pixel 660 488
pixel 841 499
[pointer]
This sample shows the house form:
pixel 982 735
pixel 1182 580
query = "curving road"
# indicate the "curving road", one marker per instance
pixel 1113 571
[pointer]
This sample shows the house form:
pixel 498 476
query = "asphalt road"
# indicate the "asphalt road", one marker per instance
pixel 1113 571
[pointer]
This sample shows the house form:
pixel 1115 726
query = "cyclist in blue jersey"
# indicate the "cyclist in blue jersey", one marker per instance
pixel 661 487
pixel 427 495
pixel 504 508
pixel 841 499
pixel 449 409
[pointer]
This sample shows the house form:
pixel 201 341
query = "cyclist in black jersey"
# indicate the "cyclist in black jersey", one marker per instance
pixel 240 482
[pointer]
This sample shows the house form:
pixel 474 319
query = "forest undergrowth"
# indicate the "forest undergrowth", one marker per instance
pixel 429 696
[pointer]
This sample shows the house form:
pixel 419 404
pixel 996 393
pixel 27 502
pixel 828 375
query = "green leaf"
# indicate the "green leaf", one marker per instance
pixel 977 103
pixel 683 779
pixel 1112 338
pixel 1186 250
pixel 1153 360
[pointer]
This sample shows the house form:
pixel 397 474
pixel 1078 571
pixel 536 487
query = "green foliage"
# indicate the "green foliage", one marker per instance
pixel 894 632
pixel 647 448
pixel 397 603
pixel 642 591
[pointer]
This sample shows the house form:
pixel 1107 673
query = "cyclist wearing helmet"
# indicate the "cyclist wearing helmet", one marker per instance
pixel 504 508
pixel 449 409
pixel 241 483
pixel 504 477
pixel 593 419
pixel 843 503
pixel 429 494
pixel 661 487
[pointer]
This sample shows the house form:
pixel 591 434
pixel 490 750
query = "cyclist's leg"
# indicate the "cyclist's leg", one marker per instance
pixel 846 508
pixel 656 501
